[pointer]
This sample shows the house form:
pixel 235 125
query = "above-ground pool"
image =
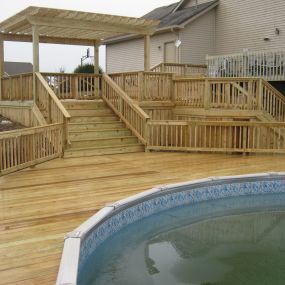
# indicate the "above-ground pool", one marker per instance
pixel 216 231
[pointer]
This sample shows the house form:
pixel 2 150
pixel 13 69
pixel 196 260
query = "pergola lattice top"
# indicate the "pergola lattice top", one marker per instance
pixel 55 25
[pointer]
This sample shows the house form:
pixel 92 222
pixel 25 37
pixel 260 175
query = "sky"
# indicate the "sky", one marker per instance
pixel 55 57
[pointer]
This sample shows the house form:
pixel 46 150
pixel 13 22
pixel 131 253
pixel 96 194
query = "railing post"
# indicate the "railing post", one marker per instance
pixel 10 88
pixel 141 86
pixel 124 82
pixel 172 88
pixel 259 95
pixel 21 87
pixel 207 97
pixel 65 139
pixel 250 95
pixel 147 134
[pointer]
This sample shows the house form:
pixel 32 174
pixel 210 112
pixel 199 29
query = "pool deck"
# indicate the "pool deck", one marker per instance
pixel 40 205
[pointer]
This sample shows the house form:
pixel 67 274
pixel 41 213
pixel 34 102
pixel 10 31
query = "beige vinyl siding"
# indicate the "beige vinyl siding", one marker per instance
pixel 129 55
pixel 198 39
pixel 245 24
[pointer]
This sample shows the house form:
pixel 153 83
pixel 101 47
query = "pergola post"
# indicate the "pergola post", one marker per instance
pixel 96 67
pixel 1 63
pixel 36 57
pixel 146 52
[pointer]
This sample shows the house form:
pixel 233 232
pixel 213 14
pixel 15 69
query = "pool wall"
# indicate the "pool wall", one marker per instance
pixel 84 240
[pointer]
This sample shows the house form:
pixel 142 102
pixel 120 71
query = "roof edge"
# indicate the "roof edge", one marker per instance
pixel 161 30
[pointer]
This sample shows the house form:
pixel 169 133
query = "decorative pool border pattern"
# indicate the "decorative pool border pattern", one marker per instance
pixel 80 243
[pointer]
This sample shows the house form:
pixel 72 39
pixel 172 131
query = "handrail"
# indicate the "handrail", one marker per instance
pixel 53 96
pixel 132 115
pixel 27 131
pixel 180 68
pixel 51 105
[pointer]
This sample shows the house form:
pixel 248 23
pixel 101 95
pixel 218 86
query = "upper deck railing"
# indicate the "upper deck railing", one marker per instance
pixel 269 65
pixel 181 69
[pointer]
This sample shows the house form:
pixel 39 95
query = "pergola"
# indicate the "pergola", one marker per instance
pixel 57 26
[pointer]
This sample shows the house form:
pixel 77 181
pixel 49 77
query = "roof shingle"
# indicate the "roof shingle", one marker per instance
pixel 167 18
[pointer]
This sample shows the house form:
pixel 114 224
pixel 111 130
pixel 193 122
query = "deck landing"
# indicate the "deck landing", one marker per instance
pixel 40 205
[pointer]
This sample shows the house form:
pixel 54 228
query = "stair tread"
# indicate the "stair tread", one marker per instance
pixel 92 123
pixel 106 138
pixel 102 147
pixel 99 130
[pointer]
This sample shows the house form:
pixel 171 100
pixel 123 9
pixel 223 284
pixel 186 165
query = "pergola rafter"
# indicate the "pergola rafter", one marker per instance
pixel 58 26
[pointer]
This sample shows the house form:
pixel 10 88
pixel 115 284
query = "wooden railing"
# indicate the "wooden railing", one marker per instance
pixel 74 86
pixel 50 105
pixel 145 86
pixel 17 87
pixel 272 101
pixel 181 69
pixel 217 136
pixel 267 64
pixel 129 112
pixel 224 93
pixel 27 147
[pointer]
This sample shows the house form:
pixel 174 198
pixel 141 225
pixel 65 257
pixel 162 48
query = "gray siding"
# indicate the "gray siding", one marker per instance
pixel 198 39
pixel 129 55
pixel 245 24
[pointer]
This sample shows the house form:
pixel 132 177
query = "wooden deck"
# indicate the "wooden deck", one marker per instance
pixel 40 205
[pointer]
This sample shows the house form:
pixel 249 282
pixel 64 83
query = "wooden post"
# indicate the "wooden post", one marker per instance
pixel 36 58
pixel 96 68
pixel 147 53
pixel 1 63
pixel 147 134
pixel 172 88
pixel 141 89
pixel 207 95
pixel 259 95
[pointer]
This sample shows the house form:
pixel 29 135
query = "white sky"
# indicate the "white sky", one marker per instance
pixel 53 57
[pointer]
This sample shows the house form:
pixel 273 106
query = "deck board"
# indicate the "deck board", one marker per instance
pixel 39 205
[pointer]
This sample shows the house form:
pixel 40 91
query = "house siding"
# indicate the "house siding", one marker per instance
pixel 129 55
pixel 198 39
pixel 245 24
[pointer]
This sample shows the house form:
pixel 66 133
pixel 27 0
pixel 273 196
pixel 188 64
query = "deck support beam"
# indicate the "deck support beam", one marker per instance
pixel 146 52
pixel 36 57
pixel 1 63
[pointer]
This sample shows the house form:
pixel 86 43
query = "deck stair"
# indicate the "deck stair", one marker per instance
pixel 95 130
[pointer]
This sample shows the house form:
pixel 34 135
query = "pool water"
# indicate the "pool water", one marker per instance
pixel 228 241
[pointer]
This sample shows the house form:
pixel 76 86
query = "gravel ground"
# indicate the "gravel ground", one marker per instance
pixel 7 125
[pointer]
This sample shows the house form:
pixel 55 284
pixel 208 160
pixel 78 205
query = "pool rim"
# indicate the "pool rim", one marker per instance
pixel 69 265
